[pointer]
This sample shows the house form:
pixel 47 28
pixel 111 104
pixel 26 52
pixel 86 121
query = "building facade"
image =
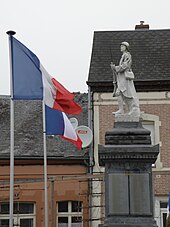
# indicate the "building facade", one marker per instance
pixel 75 179
pixel 150 51
pixel 67 170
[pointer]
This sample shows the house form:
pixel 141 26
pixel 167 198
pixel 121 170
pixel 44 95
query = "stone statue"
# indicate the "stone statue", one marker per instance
pixel 125 91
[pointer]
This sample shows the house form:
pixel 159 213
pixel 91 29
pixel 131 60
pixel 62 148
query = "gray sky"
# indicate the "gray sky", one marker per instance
pixel 60 32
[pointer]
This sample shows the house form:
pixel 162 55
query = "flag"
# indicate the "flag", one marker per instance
pixel 57 123
pixel 168 213
pixel 32 82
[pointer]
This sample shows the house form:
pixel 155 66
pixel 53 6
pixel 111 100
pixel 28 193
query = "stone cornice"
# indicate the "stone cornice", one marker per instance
pixel 108 153
pixel 141 86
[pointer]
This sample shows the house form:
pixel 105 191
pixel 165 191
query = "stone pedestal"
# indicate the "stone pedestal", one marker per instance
pixel 128 157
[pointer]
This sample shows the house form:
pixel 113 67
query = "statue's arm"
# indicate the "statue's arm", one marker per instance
pixel 112 66
pixel 126 63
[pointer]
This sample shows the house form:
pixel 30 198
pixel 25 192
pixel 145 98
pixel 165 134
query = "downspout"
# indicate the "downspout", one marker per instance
pixel 91 151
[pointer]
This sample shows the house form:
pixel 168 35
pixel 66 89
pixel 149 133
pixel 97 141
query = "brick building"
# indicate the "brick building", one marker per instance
pixel 75 179
pixel 68 183
pixel 150 51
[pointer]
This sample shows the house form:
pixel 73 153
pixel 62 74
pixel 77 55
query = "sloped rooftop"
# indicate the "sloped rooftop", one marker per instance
pixel 150 51
pixel 29 132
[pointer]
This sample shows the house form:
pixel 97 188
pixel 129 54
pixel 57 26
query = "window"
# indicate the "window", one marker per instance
pixel 152 123
pixel 160 213
pixel 69 214
pixel 163 209
pixel 150 126
pixel 24 214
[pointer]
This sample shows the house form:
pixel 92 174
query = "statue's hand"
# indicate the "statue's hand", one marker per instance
pixel 112 66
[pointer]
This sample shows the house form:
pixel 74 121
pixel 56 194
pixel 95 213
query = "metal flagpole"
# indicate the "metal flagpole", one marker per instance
pixel 45 167
pixel 11 33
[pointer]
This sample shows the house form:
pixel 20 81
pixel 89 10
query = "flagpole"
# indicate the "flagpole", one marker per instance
pixel 11 33
pixel 45 167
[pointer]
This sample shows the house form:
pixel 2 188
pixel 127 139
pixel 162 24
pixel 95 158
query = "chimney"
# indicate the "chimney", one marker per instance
pixel 142 26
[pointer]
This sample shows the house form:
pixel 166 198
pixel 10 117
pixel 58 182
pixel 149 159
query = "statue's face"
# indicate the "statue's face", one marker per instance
pixel 122 48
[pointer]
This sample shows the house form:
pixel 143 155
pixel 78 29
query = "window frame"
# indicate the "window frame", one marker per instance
pixel 154 119
pixel 159 210
pixel 17 217
pixel 69 214
pixel 162 212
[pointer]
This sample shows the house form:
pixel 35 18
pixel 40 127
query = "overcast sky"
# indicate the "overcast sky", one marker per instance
pixel 60 32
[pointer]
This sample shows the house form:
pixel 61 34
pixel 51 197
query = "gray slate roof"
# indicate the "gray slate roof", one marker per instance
pixel 28 130
pixel 150 51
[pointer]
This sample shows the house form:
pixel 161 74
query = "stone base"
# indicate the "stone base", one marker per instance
pixel 130 225
pixel 128 118
pixel 127 133
pixel 128 157
pixel 130 222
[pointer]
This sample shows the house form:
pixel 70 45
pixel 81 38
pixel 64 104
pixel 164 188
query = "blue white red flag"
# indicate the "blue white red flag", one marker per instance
pixel 57 123
pixel 32 82
pixel 168 213
pixel 168 209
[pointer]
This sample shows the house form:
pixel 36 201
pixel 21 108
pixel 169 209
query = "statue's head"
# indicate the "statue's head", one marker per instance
pixel 126 44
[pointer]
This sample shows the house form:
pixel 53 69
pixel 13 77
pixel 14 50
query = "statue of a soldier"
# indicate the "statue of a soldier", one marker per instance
pixel 125 91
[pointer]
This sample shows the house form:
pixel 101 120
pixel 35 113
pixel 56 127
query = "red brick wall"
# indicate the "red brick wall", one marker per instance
pixel 161 183
pixel 68 189
pixel 106 119
pixel 163 111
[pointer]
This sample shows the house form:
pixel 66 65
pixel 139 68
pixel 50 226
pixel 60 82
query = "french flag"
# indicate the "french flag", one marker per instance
pixel 168 212
pixel 30 81
pixel 57 123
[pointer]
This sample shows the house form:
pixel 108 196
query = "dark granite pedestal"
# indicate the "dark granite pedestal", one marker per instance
pixel 128 157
